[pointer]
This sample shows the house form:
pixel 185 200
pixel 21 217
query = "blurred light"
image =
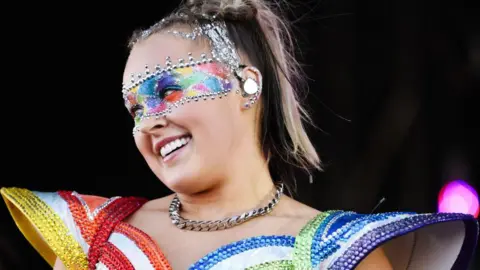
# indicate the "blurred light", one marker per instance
pixel 458 197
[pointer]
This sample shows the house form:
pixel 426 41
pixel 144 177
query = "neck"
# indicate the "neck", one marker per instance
pixel 243 190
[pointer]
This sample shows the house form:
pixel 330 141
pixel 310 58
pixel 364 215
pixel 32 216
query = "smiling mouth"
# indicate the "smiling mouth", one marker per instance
pixel 175 145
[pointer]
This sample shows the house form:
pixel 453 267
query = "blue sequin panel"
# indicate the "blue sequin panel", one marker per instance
pixel 238 247
pixel 318 251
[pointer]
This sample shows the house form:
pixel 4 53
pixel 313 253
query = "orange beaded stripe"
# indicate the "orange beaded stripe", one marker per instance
pixel 114 259
pixel 44 228
pixel 146 244
pixel 87 222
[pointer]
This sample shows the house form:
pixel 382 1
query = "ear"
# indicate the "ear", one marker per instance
pixel 250 85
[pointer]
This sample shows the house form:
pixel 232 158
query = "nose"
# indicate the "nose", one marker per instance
pixel 152 125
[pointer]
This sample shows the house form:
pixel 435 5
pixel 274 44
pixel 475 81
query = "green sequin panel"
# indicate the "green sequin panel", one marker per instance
pixel 303 242
pixel 273 265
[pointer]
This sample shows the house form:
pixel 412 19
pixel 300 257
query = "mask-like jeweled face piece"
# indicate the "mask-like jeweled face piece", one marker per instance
pixel 158 93
pixel 162 92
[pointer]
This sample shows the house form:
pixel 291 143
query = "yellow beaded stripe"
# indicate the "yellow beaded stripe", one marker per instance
pixel 303 242
pixel 48 235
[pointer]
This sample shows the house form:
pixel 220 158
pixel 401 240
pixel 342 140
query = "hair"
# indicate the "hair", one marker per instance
pixel 259 30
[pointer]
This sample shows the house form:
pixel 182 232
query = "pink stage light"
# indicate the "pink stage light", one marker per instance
pixel 458 197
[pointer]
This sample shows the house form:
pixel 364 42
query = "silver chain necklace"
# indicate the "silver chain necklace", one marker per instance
pixel 205 226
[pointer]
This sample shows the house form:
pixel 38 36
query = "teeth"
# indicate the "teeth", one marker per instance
pixel 171 146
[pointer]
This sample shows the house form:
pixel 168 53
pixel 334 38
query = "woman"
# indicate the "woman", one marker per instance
pixel 211 89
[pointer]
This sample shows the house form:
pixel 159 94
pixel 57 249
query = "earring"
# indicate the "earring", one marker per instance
pixel 252 89
pixel 250 86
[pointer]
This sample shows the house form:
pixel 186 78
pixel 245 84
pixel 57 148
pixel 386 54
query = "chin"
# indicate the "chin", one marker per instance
pixel 185 184
pixel 184 178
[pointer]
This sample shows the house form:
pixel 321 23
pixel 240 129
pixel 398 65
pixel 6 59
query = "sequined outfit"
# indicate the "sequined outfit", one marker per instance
pixel 88 232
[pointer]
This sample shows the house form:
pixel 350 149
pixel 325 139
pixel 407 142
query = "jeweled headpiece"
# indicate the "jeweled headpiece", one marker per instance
pixel 222 48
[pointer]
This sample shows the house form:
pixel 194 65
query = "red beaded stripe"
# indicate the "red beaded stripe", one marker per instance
pixel 87 227
pixel 115 212
pixel 114 259
pixel 146 244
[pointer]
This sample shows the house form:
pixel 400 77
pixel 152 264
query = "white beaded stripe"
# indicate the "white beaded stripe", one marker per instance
pixel 134 254
pixel 332 221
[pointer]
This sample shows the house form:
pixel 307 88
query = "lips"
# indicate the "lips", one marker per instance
pixel 171 144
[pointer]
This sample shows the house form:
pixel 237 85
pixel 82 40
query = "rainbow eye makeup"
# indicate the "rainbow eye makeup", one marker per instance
pixel 161 93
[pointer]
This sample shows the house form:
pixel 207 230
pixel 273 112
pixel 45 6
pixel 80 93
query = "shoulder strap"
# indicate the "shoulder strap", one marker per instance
pixel 113 214
pixel 44 220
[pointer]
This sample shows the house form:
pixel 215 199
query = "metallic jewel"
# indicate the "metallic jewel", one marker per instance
pixel 193 225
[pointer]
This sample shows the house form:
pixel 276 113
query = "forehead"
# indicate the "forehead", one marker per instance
pixel 154 51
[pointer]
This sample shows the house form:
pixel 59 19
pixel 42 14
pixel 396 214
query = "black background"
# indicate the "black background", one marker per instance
pixel 393 86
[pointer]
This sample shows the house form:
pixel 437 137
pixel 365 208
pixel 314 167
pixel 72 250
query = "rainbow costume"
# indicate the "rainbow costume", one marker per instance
pixel 89 232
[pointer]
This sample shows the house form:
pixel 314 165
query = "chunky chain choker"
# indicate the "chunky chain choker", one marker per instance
pixel 204 226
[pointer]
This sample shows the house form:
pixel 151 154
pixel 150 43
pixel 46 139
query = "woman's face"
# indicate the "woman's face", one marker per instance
pixel 188 148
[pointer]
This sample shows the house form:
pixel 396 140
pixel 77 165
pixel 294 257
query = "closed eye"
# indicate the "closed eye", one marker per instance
pixel 166 91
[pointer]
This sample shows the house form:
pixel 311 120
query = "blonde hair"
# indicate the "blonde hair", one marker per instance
pixel 258 29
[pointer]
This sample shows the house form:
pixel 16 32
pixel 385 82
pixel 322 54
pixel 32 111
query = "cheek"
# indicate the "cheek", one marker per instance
pixel 144 146
pixel 211 122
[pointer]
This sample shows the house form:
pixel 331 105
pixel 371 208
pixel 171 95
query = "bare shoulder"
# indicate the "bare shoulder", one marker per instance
pixel 150 210
pixel 160 204
pixel 290 216
pixel 296 209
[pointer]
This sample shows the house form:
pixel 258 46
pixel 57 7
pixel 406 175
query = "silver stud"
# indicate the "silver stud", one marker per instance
pixel 250 86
